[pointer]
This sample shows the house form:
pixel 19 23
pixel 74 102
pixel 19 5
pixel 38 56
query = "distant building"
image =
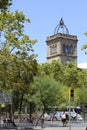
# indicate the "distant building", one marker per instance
pixel 82 66
pixel 62 46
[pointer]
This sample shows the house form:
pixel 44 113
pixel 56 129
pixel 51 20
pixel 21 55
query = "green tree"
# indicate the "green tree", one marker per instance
pixel 82 78
pixel 54 68
pixel 57 70
pixel 47 93
pixel 70 75
pixel 45 69
pixel 5 4
pixel 18 64
pixel 84 47
pixel 16 47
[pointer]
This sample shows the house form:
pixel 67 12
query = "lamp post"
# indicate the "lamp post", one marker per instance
pixel 71 98
pixel 1 101
pixel 69 110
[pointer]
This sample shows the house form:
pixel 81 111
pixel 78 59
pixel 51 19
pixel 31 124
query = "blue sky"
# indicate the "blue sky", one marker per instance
pixel 45 16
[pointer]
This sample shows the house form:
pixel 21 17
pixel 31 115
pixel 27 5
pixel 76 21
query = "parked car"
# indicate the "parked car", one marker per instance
pixel 75 113
pixel 47 117
pixel 57 115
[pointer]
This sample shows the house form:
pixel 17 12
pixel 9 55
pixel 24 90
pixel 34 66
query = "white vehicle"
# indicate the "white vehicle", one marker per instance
pixel 47 117
pixel 58 115
pixel 75 113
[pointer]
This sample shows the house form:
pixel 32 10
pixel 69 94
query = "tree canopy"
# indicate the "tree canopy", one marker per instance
pixel 5 4
pixel 47 93
pixel 84 47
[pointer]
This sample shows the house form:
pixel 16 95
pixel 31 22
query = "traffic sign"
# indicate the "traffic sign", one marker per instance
pixel 5 98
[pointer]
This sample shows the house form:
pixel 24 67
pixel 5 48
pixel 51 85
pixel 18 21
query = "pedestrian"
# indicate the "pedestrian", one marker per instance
pixel 86 127
pixel 42 121
pixel 67 118
pixel 63 116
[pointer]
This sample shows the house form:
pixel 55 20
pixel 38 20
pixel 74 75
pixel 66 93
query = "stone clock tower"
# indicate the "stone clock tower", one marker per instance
pixel 62 46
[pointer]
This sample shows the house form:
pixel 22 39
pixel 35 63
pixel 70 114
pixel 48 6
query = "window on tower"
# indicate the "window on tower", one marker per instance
pixel 64 48
pixel 70 49
pixel 67 49
pixel 53 49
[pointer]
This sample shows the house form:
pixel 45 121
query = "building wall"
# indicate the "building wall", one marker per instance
pixel 62 47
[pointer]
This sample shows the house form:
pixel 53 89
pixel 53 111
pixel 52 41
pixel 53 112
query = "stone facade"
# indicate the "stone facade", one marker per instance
pixel 62 47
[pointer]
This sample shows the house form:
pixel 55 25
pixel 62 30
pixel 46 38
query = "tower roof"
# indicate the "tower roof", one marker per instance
pixel 61 26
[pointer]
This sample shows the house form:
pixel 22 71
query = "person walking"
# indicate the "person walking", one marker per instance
pixel 67 118
pixel 42 121
pixel 63 118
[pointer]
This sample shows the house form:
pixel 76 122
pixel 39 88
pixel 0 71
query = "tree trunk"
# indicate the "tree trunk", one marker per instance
pixel 30 112
pixel 20 106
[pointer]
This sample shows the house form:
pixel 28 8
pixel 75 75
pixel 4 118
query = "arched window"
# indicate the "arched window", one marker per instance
pixel 67 49
pixel 71 49
pixel 64 48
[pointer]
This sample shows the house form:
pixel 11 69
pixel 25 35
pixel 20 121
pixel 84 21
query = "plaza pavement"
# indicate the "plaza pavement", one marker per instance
pixel 60 128
pixel 50 126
